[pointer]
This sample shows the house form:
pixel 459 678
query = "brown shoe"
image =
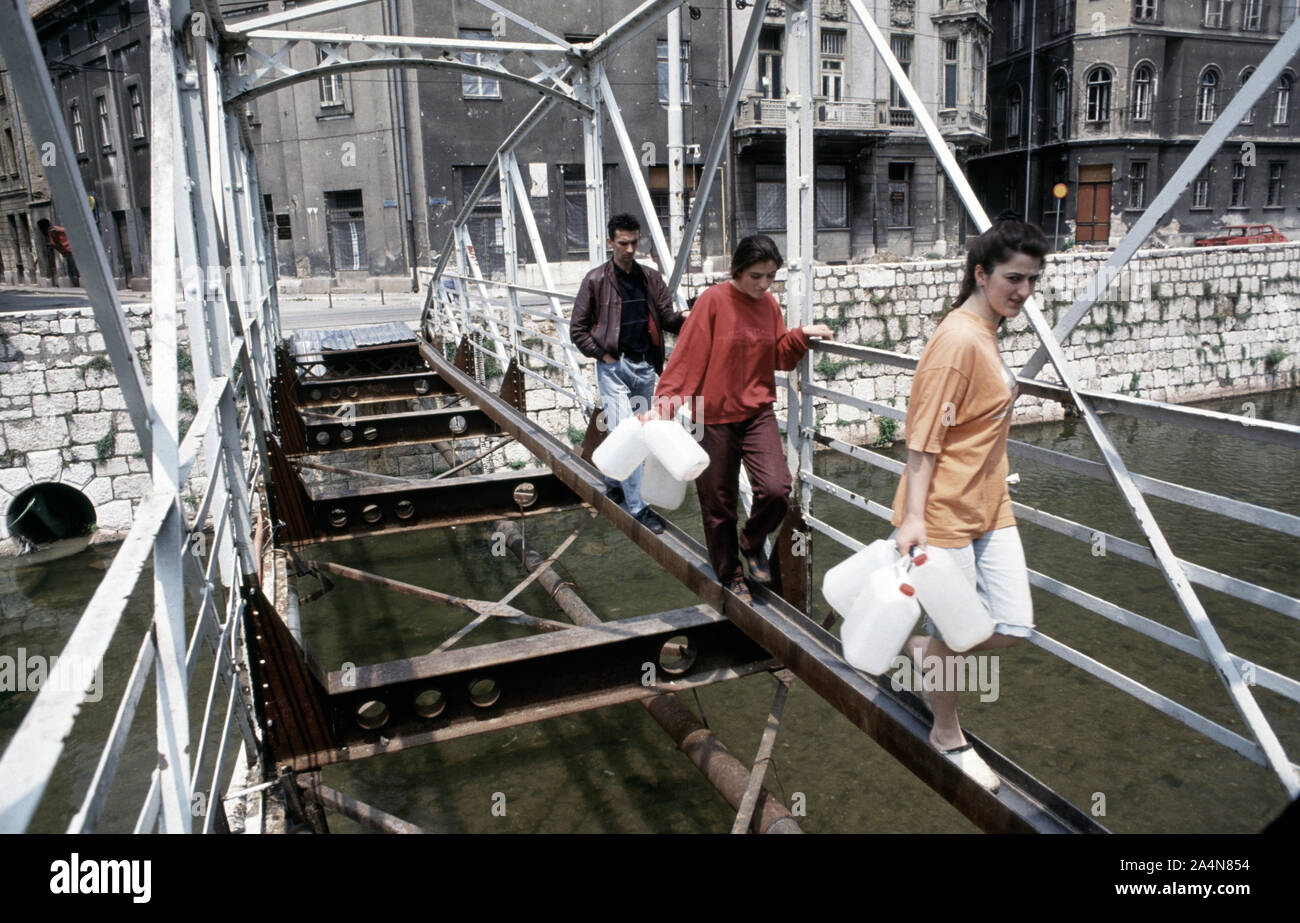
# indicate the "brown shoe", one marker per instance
pixel 759 570
pixel 740 589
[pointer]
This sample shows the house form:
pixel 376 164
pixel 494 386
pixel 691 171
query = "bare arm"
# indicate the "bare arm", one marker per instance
pixel 920 470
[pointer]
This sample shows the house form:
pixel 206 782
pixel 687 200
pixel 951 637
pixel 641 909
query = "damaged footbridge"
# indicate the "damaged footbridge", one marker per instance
pixel 288 427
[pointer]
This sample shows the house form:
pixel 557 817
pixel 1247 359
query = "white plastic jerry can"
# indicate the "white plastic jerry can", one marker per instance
pixel 950 599
pixel 658 487
pixel 681 456
pixel 623 449
pixel 845 580
pixel 883 616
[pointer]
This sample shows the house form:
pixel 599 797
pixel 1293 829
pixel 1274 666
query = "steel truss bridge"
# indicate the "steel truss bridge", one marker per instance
pixel 224 591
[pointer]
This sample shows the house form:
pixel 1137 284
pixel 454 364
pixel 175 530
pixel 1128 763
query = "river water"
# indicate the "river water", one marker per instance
pixel 614 770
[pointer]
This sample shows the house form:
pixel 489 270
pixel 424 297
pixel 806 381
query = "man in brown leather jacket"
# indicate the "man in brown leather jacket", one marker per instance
pixel 619 317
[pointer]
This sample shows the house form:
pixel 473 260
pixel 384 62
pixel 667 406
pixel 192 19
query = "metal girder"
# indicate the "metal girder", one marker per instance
pixel 434 504
pixel 289 15
pixel 626 29
pixel 288 692
pixel 455 693
pixel 385 61
pixel 365 388
pixel 414 427
pixel 718 143
pixel 270 71
pixel 172 686
pixel 527 24
pixel 898 722
pixel 1264 77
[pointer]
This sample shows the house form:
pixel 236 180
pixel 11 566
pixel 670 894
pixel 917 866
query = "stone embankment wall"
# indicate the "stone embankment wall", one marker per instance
pixel 1178 325
pixel 63 419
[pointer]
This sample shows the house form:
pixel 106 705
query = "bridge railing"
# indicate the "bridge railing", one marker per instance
pixel 205 207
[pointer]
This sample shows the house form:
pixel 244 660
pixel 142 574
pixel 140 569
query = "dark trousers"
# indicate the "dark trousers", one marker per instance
pixel 756 442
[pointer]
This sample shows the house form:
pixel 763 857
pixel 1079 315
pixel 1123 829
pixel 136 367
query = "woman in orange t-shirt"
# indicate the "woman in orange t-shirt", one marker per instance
pixel 954 493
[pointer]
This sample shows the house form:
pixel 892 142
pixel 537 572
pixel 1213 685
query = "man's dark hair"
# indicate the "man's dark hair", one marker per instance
pixel 623 222
pixel 758 248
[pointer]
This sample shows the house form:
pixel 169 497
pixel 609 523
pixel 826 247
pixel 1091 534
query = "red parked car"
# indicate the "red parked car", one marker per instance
pixel 1241 234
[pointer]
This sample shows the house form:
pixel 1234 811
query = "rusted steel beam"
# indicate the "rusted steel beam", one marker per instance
pixel 365 814
pixel 512 387
pixel 792 561
pixel 435 697
pixel 708 754
pixel 897 721
pixel 367 388
pixel 289 696
pixel 337 515
pixel 410 428
pixel 291 505
pixel 287 421
pixel 595 435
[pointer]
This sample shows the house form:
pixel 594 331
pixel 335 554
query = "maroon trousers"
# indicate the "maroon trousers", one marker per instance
pixel 756 442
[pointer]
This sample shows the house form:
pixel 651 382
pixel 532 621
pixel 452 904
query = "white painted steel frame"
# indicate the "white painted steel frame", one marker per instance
pixel 159 527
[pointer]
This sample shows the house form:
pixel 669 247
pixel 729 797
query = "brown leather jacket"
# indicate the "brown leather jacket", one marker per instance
pixel 598 314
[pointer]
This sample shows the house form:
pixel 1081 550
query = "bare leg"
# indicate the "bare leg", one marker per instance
pixel 946 733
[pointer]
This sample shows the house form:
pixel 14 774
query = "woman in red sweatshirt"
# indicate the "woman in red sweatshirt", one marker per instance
pixel 724 369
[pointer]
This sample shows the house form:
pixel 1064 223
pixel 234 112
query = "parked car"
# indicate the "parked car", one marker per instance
pixel 1241 234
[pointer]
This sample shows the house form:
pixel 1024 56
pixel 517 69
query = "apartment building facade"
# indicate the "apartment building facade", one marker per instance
pixel 878 185
pixel 1108 97
pixel 96 52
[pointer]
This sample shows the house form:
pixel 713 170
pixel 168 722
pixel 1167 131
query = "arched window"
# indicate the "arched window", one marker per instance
pixel 1060 105
pixel 1099 95
pixel 1207 95
pixel 1282 102
pixel 1249 117
pixel 1143 78
pixel 1014 106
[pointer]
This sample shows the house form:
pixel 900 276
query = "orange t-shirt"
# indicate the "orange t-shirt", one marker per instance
pixel 960 411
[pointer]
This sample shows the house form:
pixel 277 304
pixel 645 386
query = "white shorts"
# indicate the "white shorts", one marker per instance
pixel 995 564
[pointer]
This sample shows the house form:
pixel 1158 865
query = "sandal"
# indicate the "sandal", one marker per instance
pixel 972 764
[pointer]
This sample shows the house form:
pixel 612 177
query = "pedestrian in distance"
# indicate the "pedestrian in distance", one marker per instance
pixel 953 494
pixel 723 369
pixel 57 238
pixel 620 314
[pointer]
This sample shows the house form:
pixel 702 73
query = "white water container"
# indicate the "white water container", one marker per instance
pixel 877 627
pixel 950 599
pixel 658 487
pixel 621 452
pixel 845 580
pixel 681 456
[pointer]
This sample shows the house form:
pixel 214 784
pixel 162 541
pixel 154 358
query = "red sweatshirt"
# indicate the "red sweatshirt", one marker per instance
pixel 724 365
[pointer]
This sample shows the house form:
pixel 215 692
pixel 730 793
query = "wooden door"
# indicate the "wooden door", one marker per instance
pixel 1092 205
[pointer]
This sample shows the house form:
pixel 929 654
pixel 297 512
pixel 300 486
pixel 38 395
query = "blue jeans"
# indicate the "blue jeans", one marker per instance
pixel 626 388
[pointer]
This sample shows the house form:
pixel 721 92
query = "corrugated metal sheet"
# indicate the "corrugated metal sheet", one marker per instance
pixel 314 342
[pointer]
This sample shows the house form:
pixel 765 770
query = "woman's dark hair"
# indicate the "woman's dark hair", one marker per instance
pixel 757 248
pixel 997 245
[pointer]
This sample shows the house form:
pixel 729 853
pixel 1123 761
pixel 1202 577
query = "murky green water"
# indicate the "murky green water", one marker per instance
pixel 615 770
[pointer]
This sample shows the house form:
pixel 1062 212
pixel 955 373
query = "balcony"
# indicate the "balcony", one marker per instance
pixel 762 114
pixel 964 122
